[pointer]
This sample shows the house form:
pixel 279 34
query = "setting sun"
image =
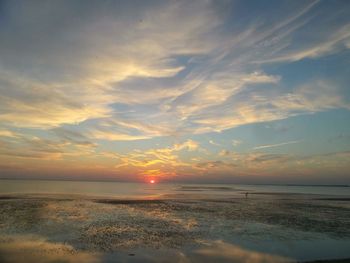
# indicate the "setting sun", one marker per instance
pixel 152 181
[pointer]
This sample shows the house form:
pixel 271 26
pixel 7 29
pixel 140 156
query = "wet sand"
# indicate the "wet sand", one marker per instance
pixel 265 227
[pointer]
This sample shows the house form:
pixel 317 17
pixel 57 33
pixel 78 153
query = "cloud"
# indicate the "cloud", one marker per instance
pixel 213 143
pixel 190 145
pixel 114 136
pixel 258 106
pixel 76 80
pixel 312 97
pixel 27 103
pixel 279 158
pixel 229 164
pixel 236 142
pixel 225 153
pixel 157 173
pixel 178 73
pixel 162 161
pixel 73 137
pixel 32 147
pixel 336 41
pixel 7 133
pixel 275 145
pixel 214 165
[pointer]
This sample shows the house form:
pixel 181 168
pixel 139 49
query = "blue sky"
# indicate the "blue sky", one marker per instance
pixel 200 91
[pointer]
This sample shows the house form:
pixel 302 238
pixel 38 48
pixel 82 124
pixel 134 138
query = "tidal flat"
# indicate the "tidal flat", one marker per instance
pixel 264 227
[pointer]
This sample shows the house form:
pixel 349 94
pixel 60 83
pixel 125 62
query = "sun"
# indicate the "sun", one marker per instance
pixel 152 181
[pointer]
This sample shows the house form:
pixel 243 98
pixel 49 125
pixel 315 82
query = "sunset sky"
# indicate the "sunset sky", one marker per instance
pixel 195 91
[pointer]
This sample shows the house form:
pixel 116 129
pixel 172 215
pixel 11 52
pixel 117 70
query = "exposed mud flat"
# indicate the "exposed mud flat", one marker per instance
pixel 102 229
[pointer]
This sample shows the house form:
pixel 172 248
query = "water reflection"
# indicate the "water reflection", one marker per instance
pixel 220 251
pixel 34 249
pixel 52 228
pixel 214 251
pixel 30 248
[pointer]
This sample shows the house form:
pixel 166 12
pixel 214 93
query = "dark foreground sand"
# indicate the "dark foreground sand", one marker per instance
pixel 183 228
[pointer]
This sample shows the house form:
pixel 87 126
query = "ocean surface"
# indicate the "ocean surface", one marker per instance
pixel 139 190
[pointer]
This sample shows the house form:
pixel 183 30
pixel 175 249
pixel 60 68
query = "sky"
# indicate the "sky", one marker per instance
pixel 176 91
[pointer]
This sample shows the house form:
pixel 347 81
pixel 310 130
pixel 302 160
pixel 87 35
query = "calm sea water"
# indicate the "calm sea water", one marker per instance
pixel 125 190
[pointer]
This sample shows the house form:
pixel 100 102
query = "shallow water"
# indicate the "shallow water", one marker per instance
pixel 42 221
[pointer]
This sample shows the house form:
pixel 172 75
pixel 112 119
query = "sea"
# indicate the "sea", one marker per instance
pixel 140 190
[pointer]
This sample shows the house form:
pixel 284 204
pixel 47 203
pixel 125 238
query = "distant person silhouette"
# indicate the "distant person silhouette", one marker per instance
pixel 246 195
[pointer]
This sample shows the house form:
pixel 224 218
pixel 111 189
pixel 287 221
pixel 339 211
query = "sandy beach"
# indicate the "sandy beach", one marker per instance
pixel 193 227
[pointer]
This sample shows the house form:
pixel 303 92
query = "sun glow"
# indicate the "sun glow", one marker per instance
pixel 152 181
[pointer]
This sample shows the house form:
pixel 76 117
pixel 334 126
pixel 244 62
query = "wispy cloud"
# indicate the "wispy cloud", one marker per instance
pixel 236 142
pixel 275 145
pixel 214 143
pixel 157 161
pixel 7 133
pixel 216 90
